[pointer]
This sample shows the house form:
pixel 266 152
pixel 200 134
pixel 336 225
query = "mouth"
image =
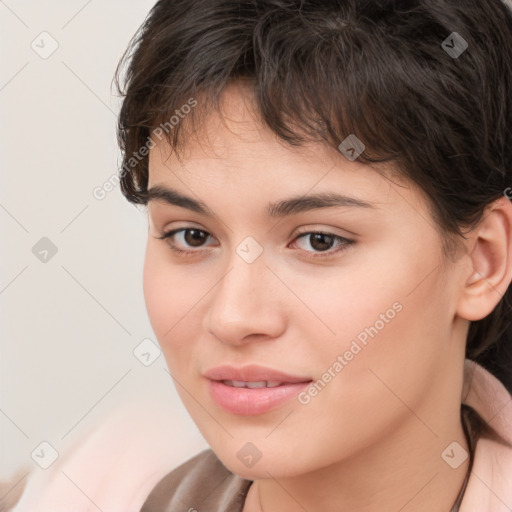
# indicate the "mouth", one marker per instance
pixel 252 390
pixel 253 373
pixel 252 385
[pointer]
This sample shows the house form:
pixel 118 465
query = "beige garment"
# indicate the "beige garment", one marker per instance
pixel 201 484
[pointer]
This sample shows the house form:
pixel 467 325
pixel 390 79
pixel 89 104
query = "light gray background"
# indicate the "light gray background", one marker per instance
pixel 69 325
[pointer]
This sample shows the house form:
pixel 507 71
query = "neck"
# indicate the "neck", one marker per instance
pixel 404 471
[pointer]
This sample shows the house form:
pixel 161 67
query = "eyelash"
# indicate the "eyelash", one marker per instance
pixel 345 242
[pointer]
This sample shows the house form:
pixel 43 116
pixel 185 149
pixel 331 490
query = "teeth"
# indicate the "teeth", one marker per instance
pixel 252 385
pixel 260 384
pixel 237 383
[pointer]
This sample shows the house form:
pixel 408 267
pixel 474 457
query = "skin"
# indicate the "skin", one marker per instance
pixel 372 438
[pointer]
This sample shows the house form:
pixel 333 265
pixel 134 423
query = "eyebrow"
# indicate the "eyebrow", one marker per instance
pixel 291 206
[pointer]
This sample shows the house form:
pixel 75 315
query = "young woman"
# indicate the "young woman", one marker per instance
pixel 328 261
pixel 329 248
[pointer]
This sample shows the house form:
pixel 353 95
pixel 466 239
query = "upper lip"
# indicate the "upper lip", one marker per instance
pixel 251 373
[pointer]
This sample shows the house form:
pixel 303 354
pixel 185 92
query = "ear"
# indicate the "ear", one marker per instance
pixel 489 271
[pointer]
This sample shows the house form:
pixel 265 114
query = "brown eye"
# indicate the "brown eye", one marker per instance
pixel 195 237
pixel 323 243
pixel 184 240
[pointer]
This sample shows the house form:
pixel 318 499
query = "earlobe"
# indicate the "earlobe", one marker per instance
pixel 490 271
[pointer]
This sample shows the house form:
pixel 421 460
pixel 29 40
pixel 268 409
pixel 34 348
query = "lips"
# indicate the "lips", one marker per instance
pixel 252 389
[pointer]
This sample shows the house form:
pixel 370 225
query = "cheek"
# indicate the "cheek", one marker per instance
pixel 174 302
pixel 391 316
pixel 393 337
pixel 393 366
pixel 159 305
pixel 346 303
pixel 166 293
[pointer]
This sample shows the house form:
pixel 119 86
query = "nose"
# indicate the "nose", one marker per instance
pixel 245 305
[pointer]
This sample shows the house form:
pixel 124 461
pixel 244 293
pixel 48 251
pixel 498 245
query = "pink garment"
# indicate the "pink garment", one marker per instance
pixel 489 487
pixel 110 465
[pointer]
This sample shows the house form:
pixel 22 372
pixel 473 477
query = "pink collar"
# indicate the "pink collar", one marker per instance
pixel 489 488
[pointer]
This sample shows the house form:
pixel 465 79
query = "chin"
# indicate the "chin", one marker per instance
pixel 269 466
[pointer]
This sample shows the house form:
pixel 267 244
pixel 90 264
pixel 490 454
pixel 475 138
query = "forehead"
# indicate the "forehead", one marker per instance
pixel 234 134
pixel 234 151
pixel 234 137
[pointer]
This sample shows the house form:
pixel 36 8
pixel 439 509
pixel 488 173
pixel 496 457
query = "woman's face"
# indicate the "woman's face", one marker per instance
pixel 365 323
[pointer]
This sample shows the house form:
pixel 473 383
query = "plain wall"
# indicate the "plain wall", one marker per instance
pixel 69 325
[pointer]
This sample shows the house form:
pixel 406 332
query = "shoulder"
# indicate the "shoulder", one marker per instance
pixel 489 486
pixel 201 483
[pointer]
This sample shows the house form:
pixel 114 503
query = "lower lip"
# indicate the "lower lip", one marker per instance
pixel 251 402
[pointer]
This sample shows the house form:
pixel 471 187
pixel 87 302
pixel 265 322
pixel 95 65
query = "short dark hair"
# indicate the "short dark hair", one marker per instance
pixel 425 84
